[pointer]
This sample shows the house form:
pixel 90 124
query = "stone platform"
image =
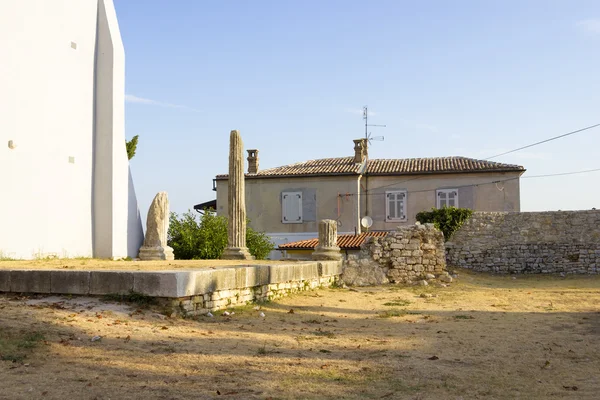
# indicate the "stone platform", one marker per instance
pixel 188 292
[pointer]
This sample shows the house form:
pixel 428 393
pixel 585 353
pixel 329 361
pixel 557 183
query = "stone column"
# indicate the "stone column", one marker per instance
pixel 327 249
pixel 236 196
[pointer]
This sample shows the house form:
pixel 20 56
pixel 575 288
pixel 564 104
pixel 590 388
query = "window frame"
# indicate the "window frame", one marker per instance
pixel 446 191
pixel 284 208
pixel 404 205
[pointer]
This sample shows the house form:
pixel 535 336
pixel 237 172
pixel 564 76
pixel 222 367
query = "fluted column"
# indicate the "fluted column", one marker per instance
pixel 327 249
pixel 236 228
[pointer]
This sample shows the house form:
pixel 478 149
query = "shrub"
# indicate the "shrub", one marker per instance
pixel 194 238
pixel 446 219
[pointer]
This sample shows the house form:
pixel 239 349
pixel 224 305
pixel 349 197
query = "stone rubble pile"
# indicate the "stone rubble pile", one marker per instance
pixel 410 254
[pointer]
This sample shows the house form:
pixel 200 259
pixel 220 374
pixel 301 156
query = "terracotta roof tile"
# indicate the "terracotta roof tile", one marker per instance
pixel 406 166
pixel 345 242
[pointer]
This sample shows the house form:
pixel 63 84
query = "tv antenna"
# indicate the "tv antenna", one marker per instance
pixel 367 133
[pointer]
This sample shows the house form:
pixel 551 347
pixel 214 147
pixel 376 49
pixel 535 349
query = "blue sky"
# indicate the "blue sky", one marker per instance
pixel 470 78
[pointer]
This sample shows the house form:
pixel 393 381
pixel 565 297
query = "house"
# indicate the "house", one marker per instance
pixel 348 244
pixel 287 202
pixel 66 186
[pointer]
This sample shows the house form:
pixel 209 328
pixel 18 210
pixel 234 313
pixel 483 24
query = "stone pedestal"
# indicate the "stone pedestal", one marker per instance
pixel 156 253
pixel 157 225
pixel 236 199
pixel 327 249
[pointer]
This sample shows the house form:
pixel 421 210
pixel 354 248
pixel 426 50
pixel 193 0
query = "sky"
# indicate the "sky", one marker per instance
pixel 461 78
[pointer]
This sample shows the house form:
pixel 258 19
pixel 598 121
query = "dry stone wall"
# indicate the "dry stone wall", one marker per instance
pixel 411 253
pixel 531 242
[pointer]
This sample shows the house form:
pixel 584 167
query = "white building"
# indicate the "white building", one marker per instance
pixel 65 189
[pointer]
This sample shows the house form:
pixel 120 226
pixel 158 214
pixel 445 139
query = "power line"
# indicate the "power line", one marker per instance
pixel 498 155
pixel 560 174
pixel 477 184
pixel 543 141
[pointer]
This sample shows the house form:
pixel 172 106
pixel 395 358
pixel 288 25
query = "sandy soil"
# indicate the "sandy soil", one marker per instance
pixel 96 264
pixel 482 338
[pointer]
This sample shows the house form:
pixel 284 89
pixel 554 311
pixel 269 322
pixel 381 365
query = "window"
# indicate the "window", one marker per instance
pixel 447 198
pixel 291 207
pixel 395 206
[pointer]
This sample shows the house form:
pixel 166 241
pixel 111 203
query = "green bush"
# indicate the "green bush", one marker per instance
pixel 446 219
pixel 194 238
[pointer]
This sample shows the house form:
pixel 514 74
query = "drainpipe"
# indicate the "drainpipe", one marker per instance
pixel 358 205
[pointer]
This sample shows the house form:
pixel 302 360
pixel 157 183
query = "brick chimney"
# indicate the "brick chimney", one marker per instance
pixel 252 161
pixel 360 150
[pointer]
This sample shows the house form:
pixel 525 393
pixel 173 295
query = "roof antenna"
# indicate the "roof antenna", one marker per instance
pixel 367 133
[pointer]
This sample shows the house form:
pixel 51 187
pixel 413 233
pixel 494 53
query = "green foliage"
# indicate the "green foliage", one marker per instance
pixel 194 238
pixel 446 219
pixel 131 146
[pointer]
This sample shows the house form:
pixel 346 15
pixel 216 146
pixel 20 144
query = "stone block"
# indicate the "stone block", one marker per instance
pixel 330 268
pixel 5 281
pixel 210 280
pixel 70 282
pixel 30 281
pixel 164 284
pixel 110 282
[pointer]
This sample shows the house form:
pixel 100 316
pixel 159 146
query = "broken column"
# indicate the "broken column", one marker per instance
pixel 236 228
pixel 157 225
pixel 327 249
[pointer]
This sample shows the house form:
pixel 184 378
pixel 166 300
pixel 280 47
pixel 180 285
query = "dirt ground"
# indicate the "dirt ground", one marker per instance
pixel 484 337
pixel 90 264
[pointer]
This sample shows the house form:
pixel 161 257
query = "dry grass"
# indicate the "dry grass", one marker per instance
pixel 91 264
pixel 483 337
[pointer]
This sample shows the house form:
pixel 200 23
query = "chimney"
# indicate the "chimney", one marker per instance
pixel 360 150
pixel 252 161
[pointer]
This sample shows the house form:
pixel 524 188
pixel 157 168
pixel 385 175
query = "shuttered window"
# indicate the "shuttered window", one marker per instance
pixel 395 205
pixel 291 207
pixel 447 198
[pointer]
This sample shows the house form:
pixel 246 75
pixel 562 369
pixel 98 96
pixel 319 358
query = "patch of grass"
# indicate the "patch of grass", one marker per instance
pixel 132 297
pixel 397 303
pixel 15 347
pixel 396 313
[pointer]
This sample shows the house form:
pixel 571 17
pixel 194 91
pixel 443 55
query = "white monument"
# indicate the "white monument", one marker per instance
pixel 64 172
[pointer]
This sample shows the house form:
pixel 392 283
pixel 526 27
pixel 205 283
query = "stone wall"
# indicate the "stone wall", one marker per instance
pixel 411 253
pixel 531 242
pixel 222 299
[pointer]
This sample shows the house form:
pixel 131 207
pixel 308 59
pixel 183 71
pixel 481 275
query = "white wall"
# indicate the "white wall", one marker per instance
pixel 51 109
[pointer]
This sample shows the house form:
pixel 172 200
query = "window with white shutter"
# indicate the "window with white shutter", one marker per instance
pixel 291 207
pixel 395 205
pixel 447 198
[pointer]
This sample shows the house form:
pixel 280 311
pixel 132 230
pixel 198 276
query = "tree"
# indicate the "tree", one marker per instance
pixel 131 146
pixel 194 238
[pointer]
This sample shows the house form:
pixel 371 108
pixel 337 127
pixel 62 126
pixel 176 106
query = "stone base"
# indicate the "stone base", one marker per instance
pixel 324 253
pixel 156 253
pixel 236 253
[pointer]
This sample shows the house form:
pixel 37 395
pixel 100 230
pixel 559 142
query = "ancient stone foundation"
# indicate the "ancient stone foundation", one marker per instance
pixel 532 242
pixel 410 254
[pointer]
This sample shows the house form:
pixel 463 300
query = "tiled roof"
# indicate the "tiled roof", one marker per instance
pixel 345 242
pixel 406 166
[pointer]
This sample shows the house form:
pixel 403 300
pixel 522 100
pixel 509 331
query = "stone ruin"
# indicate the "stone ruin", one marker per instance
pixel 157 225
pixel 327 249
pixel 236 201
pixel 411 254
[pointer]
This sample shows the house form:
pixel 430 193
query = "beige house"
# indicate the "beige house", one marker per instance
pixel 287 202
